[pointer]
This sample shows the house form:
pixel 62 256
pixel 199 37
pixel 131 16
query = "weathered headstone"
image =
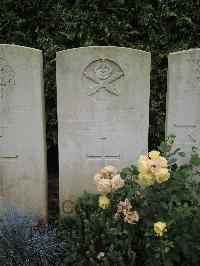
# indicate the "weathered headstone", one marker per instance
pixel 23 176
pixel 103 114
pixel 183 100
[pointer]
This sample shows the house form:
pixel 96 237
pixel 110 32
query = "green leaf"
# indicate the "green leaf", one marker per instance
pixel 195 160
pixel 174 167
pixel 164 205
pixel 134 169
pixel 167 249
pixel 157 255
pixel 172 160
pixel 182 154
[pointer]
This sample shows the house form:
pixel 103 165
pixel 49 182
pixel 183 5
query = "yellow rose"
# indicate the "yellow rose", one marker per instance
pixel 143 158
pixel 154 165
pixel 154 154
pixel 104 202
pixel 160 228
pixel 148 179
pixel 117 182
pixel 143 164
pixel 163 162
pixel 162 175
pixel 104 185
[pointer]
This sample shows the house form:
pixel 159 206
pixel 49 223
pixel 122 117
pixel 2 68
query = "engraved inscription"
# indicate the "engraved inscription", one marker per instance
pixel 1 186
pixel 193 71
pixel 100 80
pixel 14 108
pixel 11 112
pixel 7 82
pixel 5 185
pixel 106 118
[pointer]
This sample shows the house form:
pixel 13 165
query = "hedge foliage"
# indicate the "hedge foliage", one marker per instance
pixel 158 26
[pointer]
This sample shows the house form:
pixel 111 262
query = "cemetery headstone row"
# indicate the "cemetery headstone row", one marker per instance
pixel 103 117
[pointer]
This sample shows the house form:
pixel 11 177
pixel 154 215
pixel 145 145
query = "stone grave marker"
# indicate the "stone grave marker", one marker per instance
pixel 183 100
pixel 23 176
pixel 103 114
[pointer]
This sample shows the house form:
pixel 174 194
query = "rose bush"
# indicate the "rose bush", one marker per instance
pixel 145 215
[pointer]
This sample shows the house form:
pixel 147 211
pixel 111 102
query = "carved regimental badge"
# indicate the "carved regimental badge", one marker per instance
pixel 7 78
pixel 103 80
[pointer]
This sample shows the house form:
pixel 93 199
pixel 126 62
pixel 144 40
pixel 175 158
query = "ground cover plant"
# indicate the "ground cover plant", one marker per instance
pixel 26 241
pixel 146 215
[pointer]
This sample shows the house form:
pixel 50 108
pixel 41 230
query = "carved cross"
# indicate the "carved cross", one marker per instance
pixel 103 156
pixel 187 127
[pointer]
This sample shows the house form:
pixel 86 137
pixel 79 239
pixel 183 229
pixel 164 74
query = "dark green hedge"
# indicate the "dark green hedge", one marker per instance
pixel 158 26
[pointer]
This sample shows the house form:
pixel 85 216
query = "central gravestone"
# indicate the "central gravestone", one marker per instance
pixel 23 177
pixel 103 114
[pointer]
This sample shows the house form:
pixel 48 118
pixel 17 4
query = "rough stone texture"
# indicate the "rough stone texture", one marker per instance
pixel 183 100
pixel 103 114
pixel 22 128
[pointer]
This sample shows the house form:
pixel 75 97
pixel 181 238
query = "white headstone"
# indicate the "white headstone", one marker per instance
pixel 183 99
pixel 23 177
pixel 103 114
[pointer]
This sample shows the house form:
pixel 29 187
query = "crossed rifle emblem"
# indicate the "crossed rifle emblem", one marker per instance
pixel 103 84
